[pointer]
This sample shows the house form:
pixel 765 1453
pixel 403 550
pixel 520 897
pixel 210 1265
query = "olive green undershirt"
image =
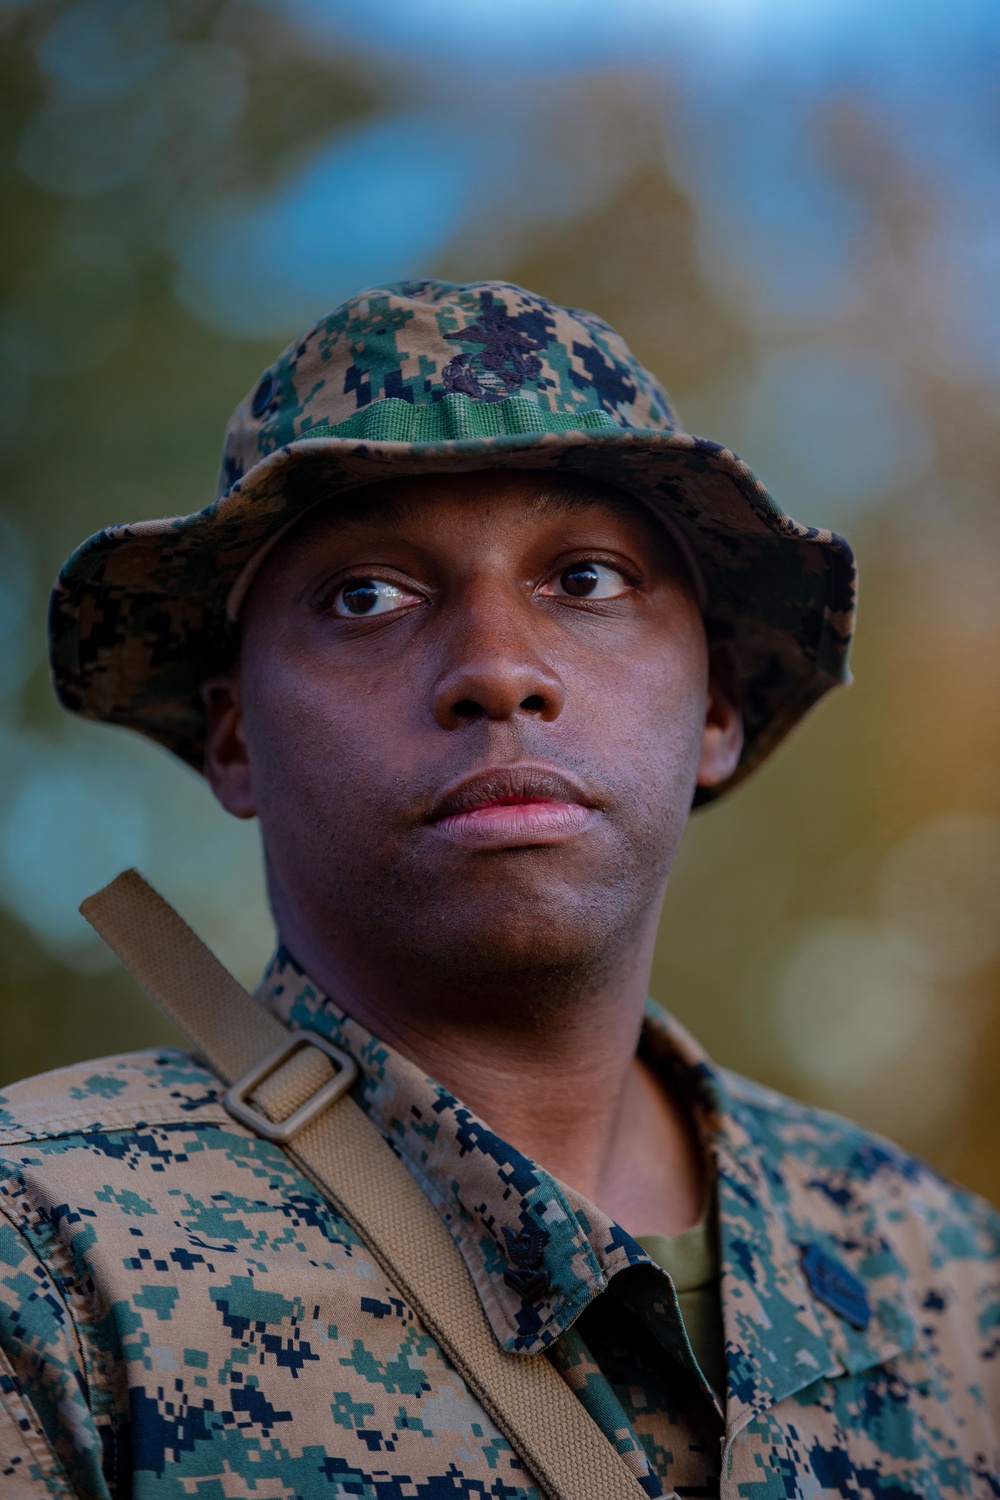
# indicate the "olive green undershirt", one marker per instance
pixel 691 1260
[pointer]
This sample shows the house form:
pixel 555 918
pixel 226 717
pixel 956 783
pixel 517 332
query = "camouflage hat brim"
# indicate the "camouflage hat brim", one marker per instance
pixel 138 617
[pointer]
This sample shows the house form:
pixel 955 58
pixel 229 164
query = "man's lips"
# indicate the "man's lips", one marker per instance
pixel 513 805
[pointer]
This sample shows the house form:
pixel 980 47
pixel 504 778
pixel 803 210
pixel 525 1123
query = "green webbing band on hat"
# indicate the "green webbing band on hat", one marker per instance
pixel 454 417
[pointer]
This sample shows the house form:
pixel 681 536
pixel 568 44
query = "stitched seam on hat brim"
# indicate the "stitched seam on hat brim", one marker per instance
pixel 761 504
pixel 760 501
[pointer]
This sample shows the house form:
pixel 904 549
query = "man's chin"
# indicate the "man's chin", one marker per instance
pixel 494 936
pixel 525 853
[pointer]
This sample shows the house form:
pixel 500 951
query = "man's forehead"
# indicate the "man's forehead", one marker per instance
pixel 411 496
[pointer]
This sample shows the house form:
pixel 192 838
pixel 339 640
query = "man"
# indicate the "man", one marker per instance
pixel 470 628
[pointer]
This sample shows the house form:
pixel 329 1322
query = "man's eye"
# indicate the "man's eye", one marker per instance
pixel 368 596
pixel 589 580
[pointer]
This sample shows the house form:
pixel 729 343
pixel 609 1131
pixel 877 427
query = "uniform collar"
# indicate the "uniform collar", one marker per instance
pixel 511 1220
pixel 801 1215
pixel 539 1253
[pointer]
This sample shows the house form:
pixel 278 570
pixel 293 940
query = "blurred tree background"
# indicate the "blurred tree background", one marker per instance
pixel 791 212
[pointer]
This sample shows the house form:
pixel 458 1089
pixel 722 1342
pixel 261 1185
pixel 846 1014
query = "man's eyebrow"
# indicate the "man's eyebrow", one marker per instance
pixel 559 497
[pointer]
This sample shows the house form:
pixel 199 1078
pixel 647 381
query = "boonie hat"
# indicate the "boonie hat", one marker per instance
pixel 422 377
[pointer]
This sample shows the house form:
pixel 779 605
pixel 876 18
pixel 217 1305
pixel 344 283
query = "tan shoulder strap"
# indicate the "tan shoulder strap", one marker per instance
pixel 278 1074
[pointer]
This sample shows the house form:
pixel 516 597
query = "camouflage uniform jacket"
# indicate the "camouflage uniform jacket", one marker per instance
pixel 182 1314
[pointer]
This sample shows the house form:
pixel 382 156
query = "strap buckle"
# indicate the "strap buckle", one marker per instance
pixel 237 1098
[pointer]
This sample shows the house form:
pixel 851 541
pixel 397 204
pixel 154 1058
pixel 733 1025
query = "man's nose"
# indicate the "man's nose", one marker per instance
pixel 495 667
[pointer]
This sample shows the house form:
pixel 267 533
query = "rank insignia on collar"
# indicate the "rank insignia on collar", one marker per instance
pixel 832 1283
pixel 527 1275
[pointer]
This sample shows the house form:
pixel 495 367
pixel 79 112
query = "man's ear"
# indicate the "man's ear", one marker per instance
pixel 227 766
pixel 722 743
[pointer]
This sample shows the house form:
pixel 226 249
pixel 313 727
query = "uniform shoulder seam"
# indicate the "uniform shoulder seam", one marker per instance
pixel 159 1086
pixel 116 1119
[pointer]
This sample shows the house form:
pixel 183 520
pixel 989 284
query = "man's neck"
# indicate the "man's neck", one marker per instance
pixel 553 1071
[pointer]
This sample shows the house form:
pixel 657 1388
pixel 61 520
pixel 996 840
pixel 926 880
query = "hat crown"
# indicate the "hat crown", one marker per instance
pixel 421 341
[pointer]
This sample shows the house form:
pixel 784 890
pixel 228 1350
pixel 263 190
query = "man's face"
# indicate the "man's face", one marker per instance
pixel 470 712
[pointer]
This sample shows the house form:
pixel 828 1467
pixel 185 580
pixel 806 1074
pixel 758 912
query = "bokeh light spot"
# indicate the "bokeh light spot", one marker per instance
pixel 847 1001
pixel 939 889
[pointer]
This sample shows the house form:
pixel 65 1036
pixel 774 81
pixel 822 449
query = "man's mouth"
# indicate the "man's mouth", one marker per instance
pixel 512 806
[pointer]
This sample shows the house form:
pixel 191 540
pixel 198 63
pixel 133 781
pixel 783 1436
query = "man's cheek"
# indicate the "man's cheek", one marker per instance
pixel 665 747
pixel 355 770
pixel 658 716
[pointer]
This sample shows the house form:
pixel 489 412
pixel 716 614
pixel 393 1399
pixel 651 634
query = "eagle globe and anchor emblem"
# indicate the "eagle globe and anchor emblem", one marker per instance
pixel 505 360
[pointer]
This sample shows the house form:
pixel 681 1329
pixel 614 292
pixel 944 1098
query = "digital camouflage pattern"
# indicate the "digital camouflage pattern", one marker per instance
pixel 182 1314
pixel 427 376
